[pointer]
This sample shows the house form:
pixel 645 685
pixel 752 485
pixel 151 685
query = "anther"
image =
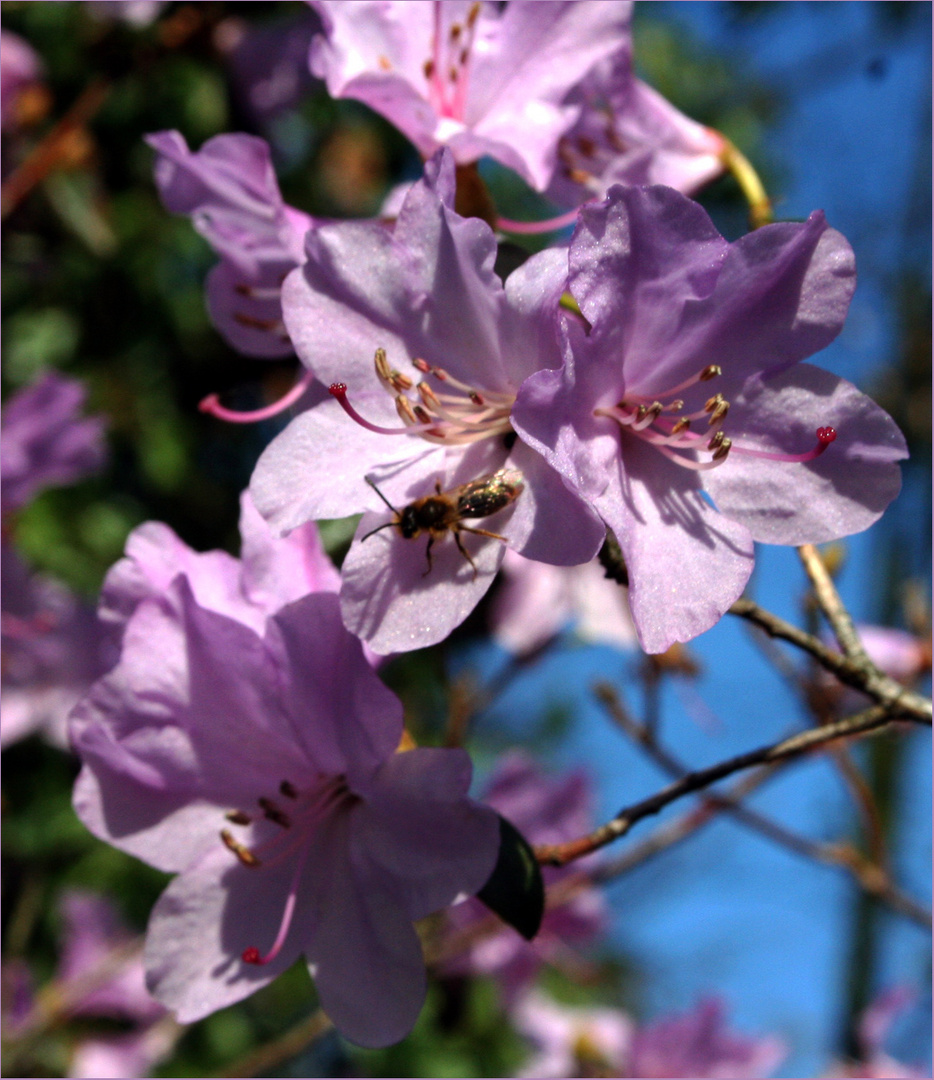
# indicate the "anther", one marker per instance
pixel 383 370
pixel 243 853
pixel 680 425
pixel 423 366
pixel 423 417
pixel 429 68
pixel 724 448
pixel 272 813
pixel 716 440
pixel 476 398
pixel 238 817
pixel 713 403
pixel 288 790
pixel 428 396
pixel 253 323
pixel 405 410
pixel 719 413
pixel 710 372
pixel 456 29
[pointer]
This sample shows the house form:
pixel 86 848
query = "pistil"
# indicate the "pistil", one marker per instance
pixel 650 419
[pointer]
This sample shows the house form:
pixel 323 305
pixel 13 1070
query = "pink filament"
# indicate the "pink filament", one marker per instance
pixel 530 228
pixel 251 955
pixel 211 405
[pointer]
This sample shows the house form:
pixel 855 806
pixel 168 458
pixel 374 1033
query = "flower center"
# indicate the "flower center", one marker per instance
pixel 662 423
pixel 446 70
pixel 455 415
pixel 298 814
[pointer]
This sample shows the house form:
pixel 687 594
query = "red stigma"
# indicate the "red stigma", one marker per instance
pixel 825 436
pixel 339 389
pixel 250 955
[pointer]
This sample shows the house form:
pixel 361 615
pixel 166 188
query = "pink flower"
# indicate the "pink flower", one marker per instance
pixel 479 78
pixel 434 409
pixel 872 1032
pixel 271 572
pixel 546 811
pixel 54 648
pixel 229 189
pixel 99 976
pixel 20 71
pixel 536 601
pixel 629 134
pixel 691 372
pixel 262 771
pixel 606 1042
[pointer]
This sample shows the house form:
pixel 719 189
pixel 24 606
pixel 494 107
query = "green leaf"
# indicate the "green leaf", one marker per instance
pixel 515 890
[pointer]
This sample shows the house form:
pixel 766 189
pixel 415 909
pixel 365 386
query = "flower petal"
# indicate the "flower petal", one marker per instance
pixel 686 562
pixel 839 493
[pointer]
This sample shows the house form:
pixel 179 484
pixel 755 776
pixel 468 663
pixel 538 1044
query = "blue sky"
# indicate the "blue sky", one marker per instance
pixel 728 912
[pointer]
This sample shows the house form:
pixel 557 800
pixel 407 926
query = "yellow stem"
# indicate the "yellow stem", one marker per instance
pixel 760 206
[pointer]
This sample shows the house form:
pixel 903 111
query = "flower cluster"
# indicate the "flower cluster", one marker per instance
pixel 647 378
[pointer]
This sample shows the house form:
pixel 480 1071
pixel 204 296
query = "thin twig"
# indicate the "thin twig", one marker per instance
pixel 831 605
pixel 862 675
pixel 46 157
pixel 264 1059
pixel 870 874
pixel 862 723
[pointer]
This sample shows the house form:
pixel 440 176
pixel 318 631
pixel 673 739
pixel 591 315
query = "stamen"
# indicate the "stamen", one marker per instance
pixel 339 391
pixel 211 405
pixel 238 817
pixel 243 853
pixel 272 813
pixel 288 790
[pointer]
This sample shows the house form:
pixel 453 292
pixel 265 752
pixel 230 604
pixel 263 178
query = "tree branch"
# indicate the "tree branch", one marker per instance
pixel 862 723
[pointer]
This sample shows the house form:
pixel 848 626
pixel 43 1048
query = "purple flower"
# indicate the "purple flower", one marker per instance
pixel 479 78
pixel 54 648
pixel 268 63
pixel 454 346
pixel 872 1032
pixel 545 811
pixel 690 371
pixel 578 1041
pixel 99 975
pixel 262 770
pixel 271 572
pixel 229 189
pixel 699 1044
pixel 536 601
pixel 629 134
pixel 45 442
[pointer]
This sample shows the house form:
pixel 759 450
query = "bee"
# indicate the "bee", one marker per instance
pixel 445 511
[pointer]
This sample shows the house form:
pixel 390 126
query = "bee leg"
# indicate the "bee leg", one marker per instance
pixel 484 532
pixel 431 540
pixel 463 550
